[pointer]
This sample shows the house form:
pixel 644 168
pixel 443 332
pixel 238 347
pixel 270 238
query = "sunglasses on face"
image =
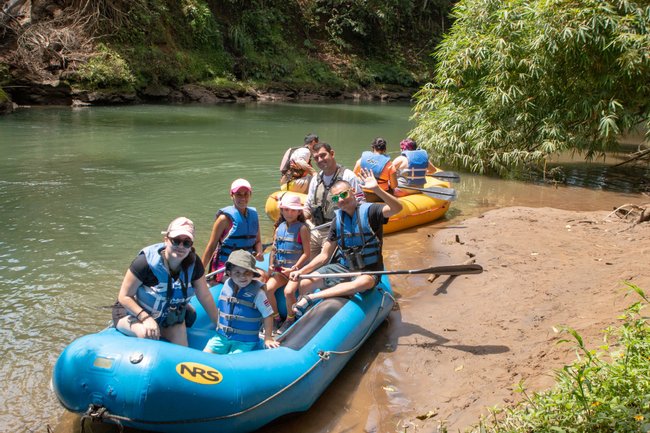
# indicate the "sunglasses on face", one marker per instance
pixel 178 242
pixel 340 196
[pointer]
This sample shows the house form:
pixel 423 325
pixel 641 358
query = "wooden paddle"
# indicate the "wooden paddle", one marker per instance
pixel 438 192
pixel 449 176
pixel 472 268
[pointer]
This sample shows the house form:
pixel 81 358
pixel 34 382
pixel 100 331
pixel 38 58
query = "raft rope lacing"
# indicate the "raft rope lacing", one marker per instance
pixel 99 413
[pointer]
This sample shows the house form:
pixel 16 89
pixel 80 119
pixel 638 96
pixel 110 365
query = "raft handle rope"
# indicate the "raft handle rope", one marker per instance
pixel 99 413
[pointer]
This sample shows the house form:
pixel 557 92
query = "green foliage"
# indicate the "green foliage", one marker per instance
pixel 518 81
pixel 5 77
pixel 205 31
pixel 602 391
pixel 292 44
pixel 3 96
pixel 376 72
pixel 374 25
pixel 107 69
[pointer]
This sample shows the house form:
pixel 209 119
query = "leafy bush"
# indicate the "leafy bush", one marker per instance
pixel 205 31
pixel 521 80
pixel 602 391
pixel 107 69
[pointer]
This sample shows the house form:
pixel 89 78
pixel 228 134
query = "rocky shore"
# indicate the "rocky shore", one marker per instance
pixel 60 93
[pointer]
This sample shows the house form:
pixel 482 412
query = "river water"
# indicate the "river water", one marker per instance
pixel 82 190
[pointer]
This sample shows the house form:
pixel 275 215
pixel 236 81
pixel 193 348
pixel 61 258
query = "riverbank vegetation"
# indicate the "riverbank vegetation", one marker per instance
pixel 298 46
pixel 520 81
pixel 604 390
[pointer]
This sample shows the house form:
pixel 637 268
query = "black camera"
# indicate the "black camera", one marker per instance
pixel 175 315
pixel 318 216
pixel 354 258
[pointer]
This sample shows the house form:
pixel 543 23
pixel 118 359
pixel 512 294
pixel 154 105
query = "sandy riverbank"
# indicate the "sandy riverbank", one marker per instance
pixel 463 344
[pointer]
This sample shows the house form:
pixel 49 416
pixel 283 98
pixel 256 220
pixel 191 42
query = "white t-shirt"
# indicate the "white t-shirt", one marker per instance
pixel 301 154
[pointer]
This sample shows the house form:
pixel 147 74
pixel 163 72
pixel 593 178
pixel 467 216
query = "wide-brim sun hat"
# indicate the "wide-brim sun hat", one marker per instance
pixel 291 201
pixel 239 184
pixel 243 259
pixel 181 226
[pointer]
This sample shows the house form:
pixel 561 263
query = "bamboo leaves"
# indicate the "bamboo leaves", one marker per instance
pixel 521 80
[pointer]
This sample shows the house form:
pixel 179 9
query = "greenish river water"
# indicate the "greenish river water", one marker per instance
pixel 82 190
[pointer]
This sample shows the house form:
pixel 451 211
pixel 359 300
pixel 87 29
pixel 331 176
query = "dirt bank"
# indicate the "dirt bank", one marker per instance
pixel 457 346
pixel 463 344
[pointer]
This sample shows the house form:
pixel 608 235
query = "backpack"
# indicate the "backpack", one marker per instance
pixel 286 160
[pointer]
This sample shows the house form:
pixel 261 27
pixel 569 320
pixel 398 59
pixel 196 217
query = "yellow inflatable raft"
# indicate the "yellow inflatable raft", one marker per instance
pixel 417 209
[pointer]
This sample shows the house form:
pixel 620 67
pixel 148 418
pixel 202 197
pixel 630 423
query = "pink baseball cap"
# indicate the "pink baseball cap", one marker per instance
pixel 180 226
pixel 239 184
pixel 291 201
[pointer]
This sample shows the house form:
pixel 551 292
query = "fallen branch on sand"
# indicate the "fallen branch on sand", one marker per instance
pixel 637 214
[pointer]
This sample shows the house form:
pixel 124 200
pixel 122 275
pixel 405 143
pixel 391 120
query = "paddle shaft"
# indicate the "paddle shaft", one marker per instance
pixel 472 268
pixel 435 192
pixel 264 246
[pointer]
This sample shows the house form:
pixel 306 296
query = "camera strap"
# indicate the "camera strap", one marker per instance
pixel 184 285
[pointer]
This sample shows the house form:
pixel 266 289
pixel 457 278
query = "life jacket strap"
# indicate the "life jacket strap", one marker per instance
pixel 238 318
pixel 230 330
pixel 235 300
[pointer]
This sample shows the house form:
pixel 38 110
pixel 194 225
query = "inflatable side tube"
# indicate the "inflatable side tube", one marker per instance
pixel 311 323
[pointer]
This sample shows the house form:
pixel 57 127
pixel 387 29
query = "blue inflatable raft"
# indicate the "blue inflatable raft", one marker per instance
pixel 159 386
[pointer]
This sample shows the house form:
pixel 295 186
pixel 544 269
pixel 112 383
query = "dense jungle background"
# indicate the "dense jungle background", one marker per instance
pixel 117 51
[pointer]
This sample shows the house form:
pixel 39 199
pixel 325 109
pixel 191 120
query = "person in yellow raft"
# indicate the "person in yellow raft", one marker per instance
pixel 412 167
pixel 296 168
pixel 381 166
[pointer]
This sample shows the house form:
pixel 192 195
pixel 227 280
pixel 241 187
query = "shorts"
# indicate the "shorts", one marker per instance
pixel 214 265
pixel 318 238
pixel 221 345
pixel 337 268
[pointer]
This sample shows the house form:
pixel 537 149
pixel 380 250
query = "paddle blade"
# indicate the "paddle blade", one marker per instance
pixel 472 268
pixel 448 194
pixel 449 176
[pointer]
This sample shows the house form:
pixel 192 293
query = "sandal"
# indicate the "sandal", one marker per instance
pixel 300 310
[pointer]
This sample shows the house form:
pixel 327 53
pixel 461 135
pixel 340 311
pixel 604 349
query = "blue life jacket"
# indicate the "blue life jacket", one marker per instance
pixel 243 233
pixel 239 318
pixel 354 233
pixel 375 162
pixel 287 248
pixel 415 174
pixel 156 300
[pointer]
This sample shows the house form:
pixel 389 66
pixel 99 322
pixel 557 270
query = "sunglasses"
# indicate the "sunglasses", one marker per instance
pixel 340 196
pixel 178 242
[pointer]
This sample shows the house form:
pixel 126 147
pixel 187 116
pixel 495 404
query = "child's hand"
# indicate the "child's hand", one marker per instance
pixel 270 343
pixel 259 256
pixel 287 271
